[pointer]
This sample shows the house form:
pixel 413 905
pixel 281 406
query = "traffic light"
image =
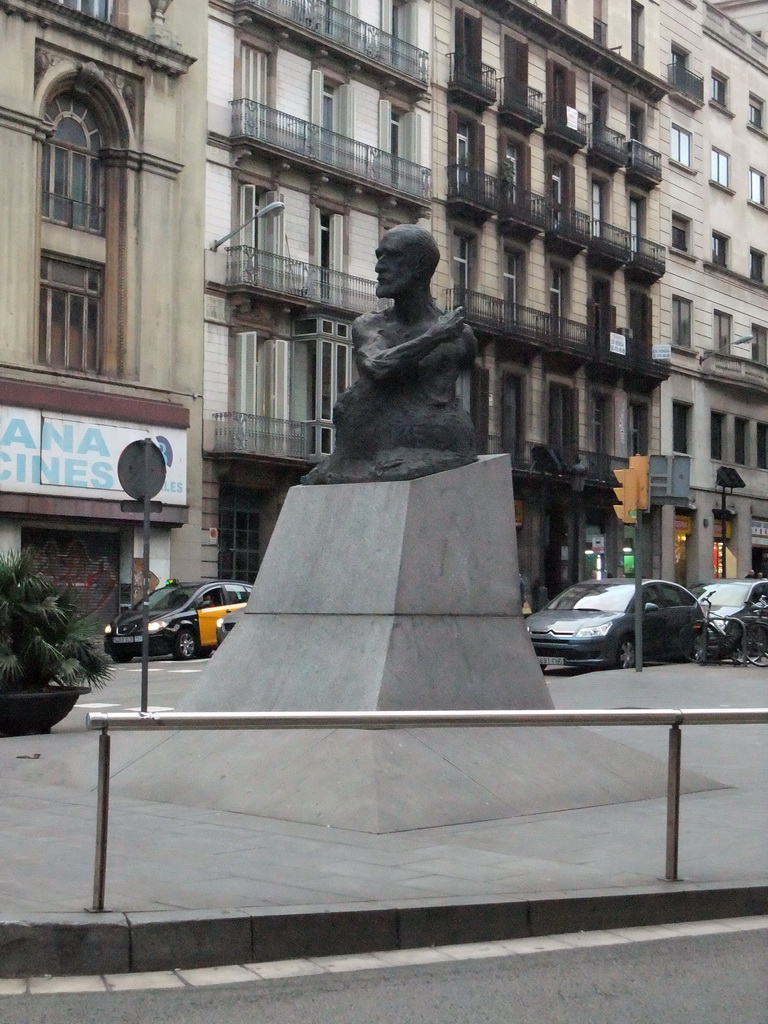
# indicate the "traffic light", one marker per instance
pixel 626 493
pixel 641 465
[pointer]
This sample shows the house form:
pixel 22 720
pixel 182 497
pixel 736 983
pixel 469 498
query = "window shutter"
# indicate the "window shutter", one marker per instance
pixel 337 242
pixel 249 201
pixel 246 370
pixel 570 88
pixel 646 312
pixel 569 186
pixel 271 231
pixel 515 60
pixel 459 41
pixel 478 146
pixel 473 36
pixel 253 74
pixel 410 128
pixel 526 182
pixel 453 123
pixel 551 81
pixel 279 398
pixel 408 19
pixel 346 112
pixel 316 97
pixel 386 16
pixel 385 126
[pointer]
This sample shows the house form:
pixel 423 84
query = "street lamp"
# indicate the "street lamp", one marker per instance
pixel 578 474
pixel 727 478
pixel 269 208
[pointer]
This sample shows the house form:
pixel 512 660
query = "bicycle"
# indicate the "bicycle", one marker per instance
pixel 715 638
pixel 756 634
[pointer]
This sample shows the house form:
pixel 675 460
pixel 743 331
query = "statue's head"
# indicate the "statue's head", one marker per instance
pixel 406 255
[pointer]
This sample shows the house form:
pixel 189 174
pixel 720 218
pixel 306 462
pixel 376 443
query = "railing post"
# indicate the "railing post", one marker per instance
pixel 102 821
pixel 673 802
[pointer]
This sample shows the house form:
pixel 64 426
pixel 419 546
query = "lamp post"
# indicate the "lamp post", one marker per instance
pixel 578 473
pixel 726 479
pixel 274 207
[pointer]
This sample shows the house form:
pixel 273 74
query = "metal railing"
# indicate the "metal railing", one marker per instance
pixel 643 160
pixel 247 434
pixel 611 240
pixel 569 224
pixel 155 721
pixel 567 122
pixel 473 186
pixel 521 99
pixel 607 142
pixel 473 76
pixel 272 127
pixel 518 204
pixel 340 27
pixel 684 81
pixel 260 269
pixel 647 255
pixel 74 213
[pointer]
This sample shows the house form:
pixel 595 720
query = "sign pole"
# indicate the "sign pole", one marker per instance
pixel 145 601
pixel 639 592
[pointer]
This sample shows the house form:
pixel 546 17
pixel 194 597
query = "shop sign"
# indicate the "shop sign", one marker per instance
pixel 684 524
pixel 760 533
pixel 47 453
pixel 598 545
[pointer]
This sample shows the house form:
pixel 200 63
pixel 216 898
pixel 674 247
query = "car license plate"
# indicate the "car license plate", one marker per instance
pixel 551 661
pixel 126 639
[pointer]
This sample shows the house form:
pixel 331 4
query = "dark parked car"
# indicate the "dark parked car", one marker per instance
pixel 592 624
pixel 182 619
pixel 731 597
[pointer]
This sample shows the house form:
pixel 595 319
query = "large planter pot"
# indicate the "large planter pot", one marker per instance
pixel 30 714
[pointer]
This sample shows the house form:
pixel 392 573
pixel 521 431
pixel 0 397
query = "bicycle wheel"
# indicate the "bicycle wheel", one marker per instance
pixel 693 642
pixel 757 643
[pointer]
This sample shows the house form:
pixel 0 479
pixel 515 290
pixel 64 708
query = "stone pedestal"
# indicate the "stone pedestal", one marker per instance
pixel 387 596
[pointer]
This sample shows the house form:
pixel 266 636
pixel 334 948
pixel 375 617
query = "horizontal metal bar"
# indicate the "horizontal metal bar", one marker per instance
pixel 152 720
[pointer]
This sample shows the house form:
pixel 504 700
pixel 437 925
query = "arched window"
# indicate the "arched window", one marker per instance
pixel 73 189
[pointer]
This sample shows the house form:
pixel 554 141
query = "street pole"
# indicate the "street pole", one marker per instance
pixel 145 601
pixel 639 592
pixel 723 511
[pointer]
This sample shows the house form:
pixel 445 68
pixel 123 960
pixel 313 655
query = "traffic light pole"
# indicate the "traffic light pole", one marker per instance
pixel 639 541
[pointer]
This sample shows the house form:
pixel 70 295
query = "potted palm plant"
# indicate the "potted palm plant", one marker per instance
pixel 50 653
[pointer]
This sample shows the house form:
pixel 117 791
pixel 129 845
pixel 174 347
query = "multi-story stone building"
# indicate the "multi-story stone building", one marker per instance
pixel 715 404
pixel 102 137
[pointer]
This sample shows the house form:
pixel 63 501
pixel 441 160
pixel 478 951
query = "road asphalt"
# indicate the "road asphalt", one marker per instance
pixel 191 888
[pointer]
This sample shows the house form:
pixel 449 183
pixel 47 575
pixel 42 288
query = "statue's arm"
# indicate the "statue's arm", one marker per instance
pixel 379 363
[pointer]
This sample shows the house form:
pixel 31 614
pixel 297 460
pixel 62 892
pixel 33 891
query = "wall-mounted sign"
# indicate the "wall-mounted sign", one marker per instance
pixel 47 453
pixel 617 343
pixel 661 353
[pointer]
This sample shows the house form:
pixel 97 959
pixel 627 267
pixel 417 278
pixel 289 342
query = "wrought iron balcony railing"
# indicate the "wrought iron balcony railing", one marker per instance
pixel 240 433
pixel 259 269
pixel 335 24
pixel 613 240
pixel 518 204
pixel 518 98
pixel 475 77
pixel 647 256
pixel 571 225
pixel 605 142
pixel 473 186
pixel 567 122
pixel 73 213
pixel 253 120
pixel 643 161
pixel 684 81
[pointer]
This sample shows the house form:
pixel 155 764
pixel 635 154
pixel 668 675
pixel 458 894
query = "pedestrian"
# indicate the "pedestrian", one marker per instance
pixel 750 575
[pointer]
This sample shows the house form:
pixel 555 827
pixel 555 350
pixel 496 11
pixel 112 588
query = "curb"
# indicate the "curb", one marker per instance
pixel 122 943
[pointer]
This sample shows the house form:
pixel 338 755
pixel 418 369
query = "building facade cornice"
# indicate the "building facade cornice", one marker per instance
pixel 142 51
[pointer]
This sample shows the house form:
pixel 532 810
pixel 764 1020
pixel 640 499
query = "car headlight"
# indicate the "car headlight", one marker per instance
pixel 108 628
pixel 587 631
pixel 156 624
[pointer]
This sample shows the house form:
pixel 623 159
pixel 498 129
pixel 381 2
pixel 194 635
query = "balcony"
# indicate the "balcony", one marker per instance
pixel 600 32
pixel 471 82
pixel 607 148
pixel 609 247
pixel 565 126
pixel 239 433
pixel 377 172
pixel 520 107
pixel 567 231
pixel 635 365
pixel 522 214
pixel 566 345
pixel 300 284
pixel 518 450
pixel 685 83
pixel 744 374
pixel 472 194
pixel 350 35
pixel 647 262
pixel 643 165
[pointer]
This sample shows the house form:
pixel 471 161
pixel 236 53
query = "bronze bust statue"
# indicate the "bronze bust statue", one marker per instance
pixel 402 419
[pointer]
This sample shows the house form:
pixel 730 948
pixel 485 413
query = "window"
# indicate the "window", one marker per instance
pixel 716 434
pixel 756 265
pixel 756 187
pixel 513 264
pixel 718 168
pixel 740 438
pixel 598 203
pixel 95 8
pixel 637 34
pixel 756 112
pixel 70 315
pixel 680 145
pixel 721 325
pixel 681 415
pixel 599 106
pixel 636 123
pixel 719 89
pixel 759 344
pixel 680 232
pixel 681 322
pixel 638 429
pixel 559 9
pixel 72 175
pixel 462 262
pixel 563 423
pixel 261 376
pixel 640 318
pixel 253 74
pixel 719 249
pixel 558 290
pixel 239 532
pixel 601 420
pixel 761 448
pixel 679 58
